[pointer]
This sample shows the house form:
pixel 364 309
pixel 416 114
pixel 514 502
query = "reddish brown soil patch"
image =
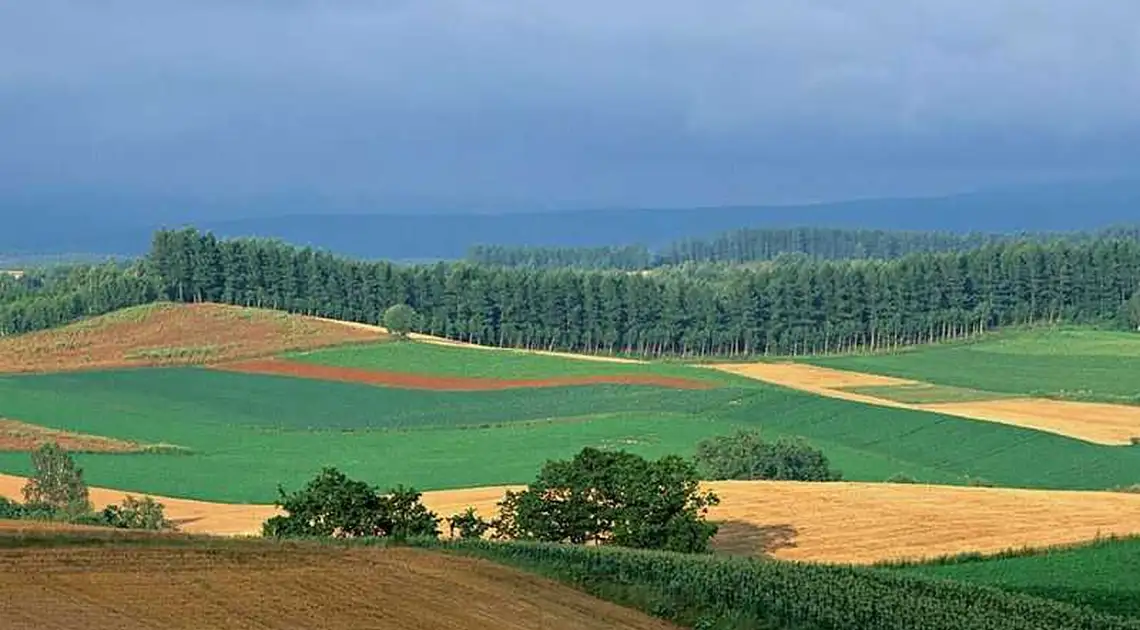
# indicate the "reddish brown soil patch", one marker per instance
pixel 266 585
pixel 172 334
pixel 445 383
pixel 24 437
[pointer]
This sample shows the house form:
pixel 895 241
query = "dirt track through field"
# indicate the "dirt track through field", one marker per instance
pixel 826 522
pixel 287 586
pixel 404 380
pixel 1092 422
pixel 171 334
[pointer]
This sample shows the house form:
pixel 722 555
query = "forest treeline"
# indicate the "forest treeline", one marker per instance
pixel 765 244
pixel 795 306
pixel 804 306
pixel 52 296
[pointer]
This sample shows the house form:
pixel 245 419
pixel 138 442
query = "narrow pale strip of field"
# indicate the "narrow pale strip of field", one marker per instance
pixel 22 437
pixel 440 341
pixel 171 334
pixel 266 586
pixel 823 522
pixel 1098 423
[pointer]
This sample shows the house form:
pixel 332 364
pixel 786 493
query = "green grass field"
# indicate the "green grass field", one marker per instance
pixel 426 358
pixel 1104 575
pixel 1058 362
pixel 247 433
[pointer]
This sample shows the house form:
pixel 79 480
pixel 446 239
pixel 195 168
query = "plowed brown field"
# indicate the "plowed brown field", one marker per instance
pixel 404 380
pixel 22 437
pixel 268 586
pixel 1091 422
pixel 171 334
pixel 824 522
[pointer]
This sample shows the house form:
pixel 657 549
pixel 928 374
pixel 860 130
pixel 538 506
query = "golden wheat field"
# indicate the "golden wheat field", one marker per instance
pixel 845 522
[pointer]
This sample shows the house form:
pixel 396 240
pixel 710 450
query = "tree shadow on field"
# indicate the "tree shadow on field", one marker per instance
pixel 739 538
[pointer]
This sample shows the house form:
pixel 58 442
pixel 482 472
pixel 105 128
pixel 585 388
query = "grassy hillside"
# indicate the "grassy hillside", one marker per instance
pixel 444 360
pixel 1104 575
pixel 1052 362
pixel 246 433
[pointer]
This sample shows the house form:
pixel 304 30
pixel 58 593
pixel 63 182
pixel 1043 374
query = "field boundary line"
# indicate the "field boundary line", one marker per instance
pixel 1096 423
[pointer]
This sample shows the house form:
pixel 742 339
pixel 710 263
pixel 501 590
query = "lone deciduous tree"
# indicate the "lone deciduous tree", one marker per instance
pixel 614 498
pixel 399 319
pixel 56 483
pixel 135 513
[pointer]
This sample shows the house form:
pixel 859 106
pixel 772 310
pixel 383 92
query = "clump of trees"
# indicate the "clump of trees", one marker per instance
pixel 598 497
pixel 745 455
pixel 333 506
pixel 56 491
pixel 615 498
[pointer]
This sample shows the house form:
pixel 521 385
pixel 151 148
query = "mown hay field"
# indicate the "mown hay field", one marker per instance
pixel 842 522
pixel 1097 423
pixel 1071 364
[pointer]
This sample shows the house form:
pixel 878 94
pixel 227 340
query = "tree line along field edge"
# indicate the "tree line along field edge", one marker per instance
pixel 1061 363
pixel 798 307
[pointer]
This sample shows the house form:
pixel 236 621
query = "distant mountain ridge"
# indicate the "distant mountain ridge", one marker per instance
pixel 57 228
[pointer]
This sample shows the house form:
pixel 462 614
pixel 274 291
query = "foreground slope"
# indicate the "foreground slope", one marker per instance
pixel 166 334
pixel 268 586
pixel 1104 575
pixel 826 522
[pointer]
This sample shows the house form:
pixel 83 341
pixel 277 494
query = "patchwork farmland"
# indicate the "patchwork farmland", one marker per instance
pixel 201 404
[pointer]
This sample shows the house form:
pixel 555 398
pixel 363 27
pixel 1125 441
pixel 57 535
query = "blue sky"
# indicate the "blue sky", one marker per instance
pixel 583 103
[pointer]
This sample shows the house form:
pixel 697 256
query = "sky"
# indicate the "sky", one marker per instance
pixel 564 104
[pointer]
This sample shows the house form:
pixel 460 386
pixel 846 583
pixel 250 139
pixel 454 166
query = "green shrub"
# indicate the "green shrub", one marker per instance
pixel 132 513
pixel 333 506
pixel 745 455
pixel 468 524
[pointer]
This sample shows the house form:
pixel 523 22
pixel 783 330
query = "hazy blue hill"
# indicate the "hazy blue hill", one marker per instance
pixel 68 223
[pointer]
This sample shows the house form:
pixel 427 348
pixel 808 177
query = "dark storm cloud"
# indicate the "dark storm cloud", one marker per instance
pixel 587 101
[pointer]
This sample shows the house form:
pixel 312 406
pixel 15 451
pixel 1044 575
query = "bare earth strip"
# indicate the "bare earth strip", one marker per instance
pixel 171 334
pixel 440 341
pixel 23 437
pixel 1092 422
pixel 289 586
pixel 825 522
